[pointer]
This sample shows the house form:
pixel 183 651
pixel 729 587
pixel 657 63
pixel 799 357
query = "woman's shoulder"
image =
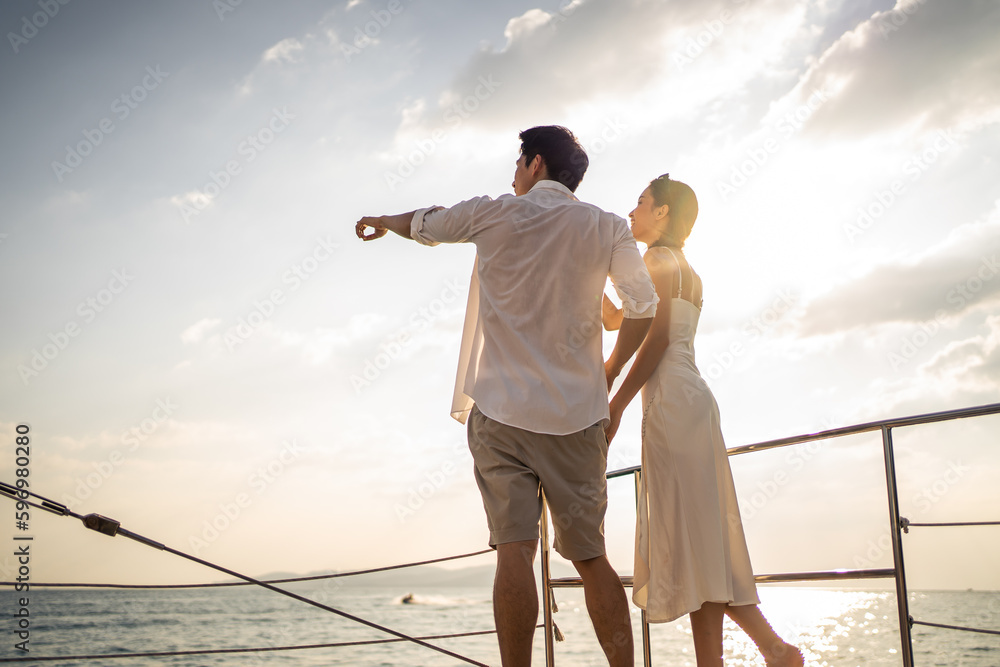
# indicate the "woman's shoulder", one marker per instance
pixel 661 258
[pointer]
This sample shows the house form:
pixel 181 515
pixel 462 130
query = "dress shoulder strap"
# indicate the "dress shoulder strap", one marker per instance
pixel 680 274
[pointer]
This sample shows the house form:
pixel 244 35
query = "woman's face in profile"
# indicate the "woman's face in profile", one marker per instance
pixel 646 226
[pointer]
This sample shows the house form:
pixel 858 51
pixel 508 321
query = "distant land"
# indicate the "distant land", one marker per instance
pixel 481 576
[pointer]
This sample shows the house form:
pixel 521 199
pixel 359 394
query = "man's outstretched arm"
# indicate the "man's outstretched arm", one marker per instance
pixel 399 224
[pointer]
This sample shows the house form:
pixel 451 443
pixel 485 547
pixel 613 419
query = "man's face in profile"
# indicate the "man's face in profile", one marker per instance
pixel 522 177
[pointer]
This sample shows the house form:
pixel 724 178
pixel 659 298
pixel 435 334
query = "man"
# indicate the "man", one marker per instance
pixel 532 363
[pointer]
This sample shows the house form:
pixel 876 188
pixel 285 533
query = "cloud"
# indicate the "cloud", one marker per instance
pixel 316 346
pixel 972 364
pixel 194 198
pixel 196 332
pixel 946 282
pixel 925 64
pixel 521 27
pixel 554 60
pixel 963 373
pixel 287 50
pixel 644 59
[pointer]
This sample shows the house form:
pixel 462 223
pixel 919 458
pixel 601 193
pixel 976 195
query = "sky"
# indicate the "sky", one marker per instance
pixel 201 349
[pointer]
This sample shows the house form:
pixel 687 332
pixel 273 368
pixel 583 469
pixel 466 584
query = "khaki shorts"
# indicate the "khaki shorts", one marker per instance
pixel 512 464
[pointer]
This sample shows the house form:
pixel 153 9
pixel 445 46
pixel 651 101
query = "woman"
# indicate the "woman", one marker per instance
pixel 691 555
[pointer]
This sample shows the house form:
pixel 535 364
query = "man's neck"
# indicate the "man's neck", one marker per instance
pixel 544 176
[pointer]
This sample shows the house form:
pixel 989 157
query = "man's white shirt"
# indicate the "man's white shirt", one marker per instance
pixel 531 353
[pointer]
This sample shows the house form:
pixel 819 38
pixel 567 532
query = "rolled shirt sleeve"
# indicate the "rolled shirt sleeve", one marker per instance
pixel 631 278
pixel 418 226
pixel 456 224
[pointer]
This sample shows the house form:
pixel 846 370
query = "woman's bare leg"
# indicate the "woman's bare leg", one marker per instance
pixel 776 651
pixel 706 628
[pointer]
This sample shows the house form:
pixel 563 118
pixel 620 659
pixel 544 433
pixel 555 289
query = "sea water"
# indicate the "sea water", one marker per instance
pixel 833 627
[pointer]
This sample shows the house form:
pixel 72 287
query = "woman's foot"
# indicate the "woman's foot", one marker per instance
pixel 784 655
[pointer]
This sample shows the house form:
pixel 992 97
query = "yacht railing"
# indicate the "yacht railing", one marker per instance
pixel 898 526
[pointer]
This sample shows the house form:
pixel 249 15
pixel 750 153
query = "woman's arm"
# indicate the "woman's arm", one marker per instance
pixel 664 275
pixel 630 337
pixel 611 316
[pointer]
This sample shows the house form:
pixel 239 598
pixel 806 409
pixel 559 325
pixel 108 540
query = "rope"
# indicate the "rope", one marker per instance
pixel 954 627
pixel 110 527
pixel 300 598
pixel 270 581
pixel 164 654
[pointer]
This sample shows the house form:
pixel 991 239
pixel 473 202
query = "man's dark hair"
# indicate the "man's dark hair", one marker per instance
pixel 563 155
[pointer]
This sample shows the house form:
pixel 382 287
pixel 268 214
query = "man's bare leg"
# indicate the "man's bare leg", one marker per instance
pixel 515 602
pixel 776 651
pixel 608 608
pixel 706 629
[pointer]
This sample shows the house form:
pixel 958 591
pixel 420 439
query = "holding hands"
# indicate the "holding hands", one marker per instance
pixel 631 334
pixel 612 370
pixel 616 420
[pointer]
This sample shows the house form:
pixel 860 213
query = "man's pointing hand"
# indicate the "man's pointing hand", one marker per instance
pixel 378 229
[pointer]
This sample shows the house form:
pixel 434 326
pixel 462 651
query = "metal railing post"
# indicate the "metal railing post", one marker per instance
pixel 902 599
pixel 647 658
pixel 550 653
